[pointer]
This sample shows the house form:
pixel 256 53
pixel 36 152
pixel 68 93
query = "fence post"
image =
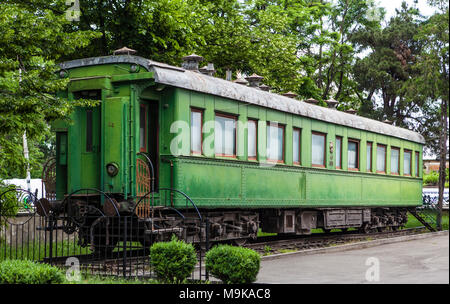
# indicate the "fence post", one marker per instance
pixel 206 245
pixel 124 247
pixel 50 247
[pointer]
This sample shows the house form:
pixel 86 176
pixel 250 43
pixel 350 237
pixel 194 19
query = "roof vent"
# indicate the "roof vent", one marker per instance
pixel 124 51
pixel 332 104
pixel 191 62
pixel 208 69
pixel 240 79
pixel 264 87
pixel 351 111
pixel 312 101
pixel 254 80
pixel 290 94
pixel 228 75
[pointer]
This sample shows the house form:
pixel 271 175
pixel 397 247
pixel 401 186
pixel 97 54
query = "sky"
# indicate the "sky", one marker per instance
pixel 391 5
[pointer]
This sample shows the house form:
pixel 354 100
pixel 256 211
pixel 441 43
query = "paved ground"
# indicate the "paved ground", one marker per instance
pixel 416 261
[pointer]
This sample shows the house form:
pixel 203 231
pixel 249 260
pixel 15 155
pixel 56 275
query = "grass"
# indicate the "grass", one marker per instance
pixel 93 279
pixel 413 222
pixel 36 251
pixel 287 250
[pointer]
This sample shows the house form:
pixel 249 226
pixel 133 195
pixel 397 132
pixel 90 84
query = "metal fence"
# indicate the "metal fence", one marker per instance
pixel 95 245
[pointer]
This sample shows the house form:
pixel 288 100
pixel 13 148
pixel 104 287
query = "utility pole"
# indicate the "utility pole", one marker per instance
pixel 25 146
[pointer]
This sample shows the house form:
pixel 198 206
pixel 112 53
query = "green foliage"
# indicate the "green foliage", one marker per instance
pixel 33 36
pixel 28 272
pixel 431 179
pixel 233 264
pixel 8 203
pixel 173 261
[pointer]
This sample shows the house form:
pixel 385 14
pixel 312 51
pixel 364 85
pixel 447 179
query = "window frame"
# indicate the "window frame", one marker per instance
pixel 254 158
pixel 145 148
pixel 417 163
pixel 341 138
pixel 296 129
pixel 410 162
pixel 369 143
pixel 283 152
pixel 357 141
pixel 235 118
pixel 385 158
pixel 201 111
pixel 398 162
pixel 89 143
pixel 324 135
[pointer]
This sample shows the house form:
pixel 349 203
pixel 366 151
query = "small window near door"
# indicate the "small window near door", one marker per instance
pixel 252 138
pixel 143 113
pixel 296 146
pixel 338 152
pixel 417 164
pixel 196 131
pixel 369 157
pixel 89 131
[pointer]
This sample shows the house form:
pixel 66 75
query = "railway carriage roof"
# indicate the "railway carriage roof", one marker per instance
pixel 179 77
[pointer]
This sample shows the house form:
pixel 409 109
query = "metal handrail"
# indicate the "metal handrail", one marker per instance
pixel 152 177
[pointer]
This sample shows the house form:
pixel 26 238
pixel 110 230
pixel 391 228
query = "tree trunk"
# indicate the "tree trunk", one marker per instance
pixel 443 157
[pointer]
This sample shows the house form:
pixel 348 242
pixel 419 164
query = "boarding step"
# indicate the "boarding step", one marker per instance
pixel 423 218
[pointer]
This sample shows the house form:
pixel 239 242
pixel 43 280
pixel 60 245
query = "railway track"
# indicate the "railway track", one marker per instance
pixel 276 244
pixel 136 261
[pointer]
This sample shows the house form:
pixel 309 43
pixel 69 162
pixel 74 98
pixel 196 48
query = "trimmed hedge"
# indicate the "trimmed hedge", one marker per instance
pixel 28 272
pixel 173 261
pixel 233 265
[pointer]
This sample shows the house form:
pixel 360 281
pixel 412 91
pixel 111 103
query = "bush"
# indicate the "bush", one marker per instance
pixel 431 179
pixel 28 272
pixel 233 264
pixel 173 261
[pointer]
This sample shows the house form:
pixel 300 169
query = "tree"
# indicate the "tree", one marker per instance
pixel 433 82
pixel 386 72
pixel 32 37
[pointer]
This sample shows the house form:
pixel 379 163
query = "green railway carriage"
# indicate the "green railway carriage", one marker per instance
pixel 248 158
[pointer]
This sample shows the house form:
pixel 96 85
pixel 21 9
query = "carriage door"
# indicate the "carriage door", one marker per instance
pixel 148 145
pixel 90 122
pixel 148 141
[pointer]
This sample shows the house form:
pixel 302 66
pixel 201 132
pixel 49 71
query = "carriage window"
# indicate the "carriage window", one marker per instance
pixel 296 146
pixel 89 131
pixel 196 131
pixel 143 128
pixel 252 139
pixel 369 156
pixel 275 142
pixel 338 152
pixel 353 154
pixel 395 160
pixel 417 163
pixel 225 135
pixel 318 149
pixel 407 162
pixel 381 158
